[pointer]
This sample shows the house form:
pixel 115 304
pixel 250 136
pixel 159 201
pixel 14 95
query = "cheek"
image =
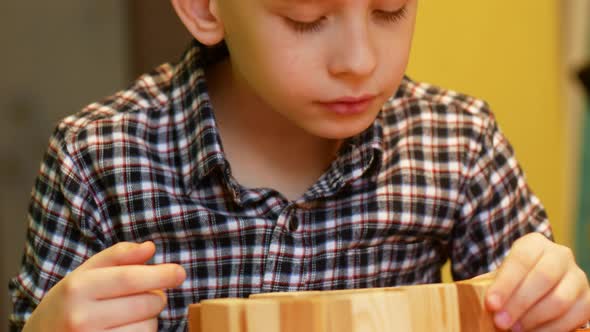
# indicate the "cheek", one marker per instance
pixel 292 63
pixel 393 64
pixel 291 74
pixel 267 61
pixel 393 60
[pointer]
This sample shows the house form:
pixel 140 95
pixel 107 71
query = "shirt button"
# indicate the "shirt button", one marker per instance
pixel 294 224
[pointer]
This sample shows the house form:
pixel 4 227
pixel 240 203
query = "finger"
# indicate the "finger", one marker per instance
pixel 556 303
pixel 150 325
pixel 123 253
pixel 522 258
pixel 577 316
pixel 110 282
pixel 545 275
pixel 127 310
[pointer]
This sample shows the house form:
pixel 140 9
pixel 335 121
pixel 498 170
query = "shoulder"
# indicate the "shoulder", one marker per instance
pixel 444 112
pixel 142 104
pixel 133 131
pixel 437 131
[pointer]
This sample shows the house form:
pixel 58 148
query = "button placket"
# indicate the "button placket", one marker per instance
pixel 271 261
pixel 274 250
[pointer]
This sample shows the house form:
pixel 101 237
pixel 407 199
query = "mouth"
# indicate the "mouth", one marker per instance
pixel 349 105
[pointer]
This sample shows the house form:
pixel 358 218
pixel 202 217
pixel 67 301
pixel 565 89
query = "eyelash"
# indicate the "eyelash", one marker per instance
pixel 315 26
pixel 395 16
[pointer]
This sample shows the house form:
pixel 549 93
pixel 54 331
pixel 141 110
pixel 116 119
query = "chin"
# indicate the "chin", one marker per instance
pixel 341 129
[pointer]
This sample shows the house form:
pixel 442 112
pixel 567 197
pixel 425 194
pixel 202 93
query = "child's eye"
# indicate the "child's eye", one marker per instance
pixel 304 27
pixel 393 16
pixel 315 26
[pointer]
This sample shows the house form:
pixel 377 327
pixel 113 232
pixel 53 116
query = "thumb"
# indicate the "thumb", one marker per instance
pixel 123 253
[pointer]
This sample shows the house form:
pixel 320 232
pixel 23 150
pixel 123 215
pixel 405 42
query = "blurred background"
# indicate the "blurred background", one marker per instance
pixel 521 57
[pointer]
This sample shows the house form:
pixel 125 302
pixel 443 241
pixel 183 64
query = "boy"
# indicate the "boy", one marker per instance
pixel 335 171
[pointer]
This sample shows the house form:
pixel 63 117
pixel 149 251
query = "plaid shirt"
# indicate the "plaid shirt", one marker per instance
pixel 433 178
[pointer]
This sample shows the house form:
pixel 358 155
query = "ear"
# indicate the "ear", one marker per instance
pixel 201 18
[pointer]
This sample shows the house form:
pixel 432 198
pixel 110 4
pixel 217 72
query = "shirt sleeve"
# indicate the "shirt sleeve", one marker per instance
pixel 61 230
pixel 496 206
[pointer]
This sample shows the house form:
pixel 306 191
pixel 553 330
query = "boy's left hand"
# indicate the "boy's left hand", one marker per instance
pixel 539 287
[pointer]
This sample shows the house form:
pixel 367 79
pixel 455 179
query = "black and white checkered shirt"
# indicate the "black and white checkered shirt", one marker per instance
pixel 433 178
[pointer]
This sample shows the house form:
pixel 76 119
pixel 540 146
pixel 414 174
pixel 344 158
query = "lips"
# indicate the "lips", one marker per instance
pixel 349 105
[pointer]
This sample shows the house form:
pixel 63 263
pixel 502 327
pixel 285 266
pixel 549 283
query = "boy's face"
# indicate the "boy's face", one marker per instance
pixel 326 65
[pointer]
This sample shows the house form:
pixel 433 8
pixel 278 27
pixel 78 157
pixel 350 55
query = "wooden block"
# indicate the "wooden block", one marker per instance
pixel 298 311
pixel 473 314
pixel 302 314
pixel 263 316
pixel 425 300
pixel 433 307
pixel 360 310
pixel 455 307
pixel 223 315
pixel 368 312
pixel 278 295
pixel 194 317
pixel 291 314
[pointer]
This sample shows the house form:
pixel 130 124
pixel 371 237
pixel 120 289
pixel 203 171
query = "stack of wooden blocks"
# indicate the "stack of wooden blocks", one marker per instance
pixel 457 307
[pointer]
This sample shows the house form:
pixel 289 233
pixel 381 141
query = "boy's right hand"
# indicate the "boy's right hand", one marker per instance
pixel 111 291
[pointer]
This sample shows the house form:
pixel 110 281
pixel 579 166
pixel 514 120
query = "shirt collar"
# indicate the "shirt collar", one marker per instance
pixel 359 156
pixel 198 135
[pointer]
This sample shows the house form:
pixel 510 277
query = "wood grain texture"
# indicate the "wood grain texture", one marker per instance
pixel 223 315
pixel 194 317
pixel 345 311
pixel 304 314
pixel 473 315
pixel 433 307
pixel 263 316
pixel 457 307
pixel 369 312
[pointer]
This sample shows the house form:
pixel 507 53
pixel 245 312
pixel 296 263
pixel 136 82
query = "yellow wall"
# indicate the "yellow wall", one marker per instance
pixel 508 54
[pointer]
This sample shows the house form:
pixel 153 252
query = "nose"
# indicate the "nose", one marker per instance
pixel 354 53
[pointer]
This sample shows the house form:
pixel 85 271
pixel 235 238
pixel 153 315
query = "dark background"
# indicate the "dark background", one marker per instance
pixel 57 57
